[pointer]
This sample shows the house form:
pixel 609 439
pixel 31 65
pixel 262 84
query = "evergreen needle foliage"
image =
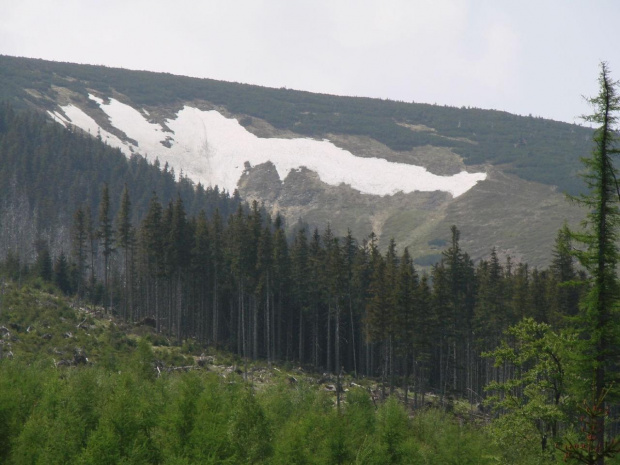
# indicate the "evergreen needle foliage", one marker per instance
pixel 599 316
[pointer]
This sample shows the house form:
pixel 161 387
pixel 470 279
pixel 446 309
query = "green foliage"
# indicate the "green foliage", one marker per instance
pixel 442 440
pixel 182 401
pixel 392 426
pixel 125 429
pixel 208 439
pixel 598 318
pixel 143 361
pixel 536 400
pixel 249 432
pixel 518 441
pixel 587 449
pixel 91 415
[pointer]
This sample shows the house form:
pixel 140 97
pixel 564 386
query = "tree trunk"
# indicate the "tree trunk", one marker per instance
pixel 215 323
pixel 301 334
pixel 353 338
pixel 268 324
pixel 329 339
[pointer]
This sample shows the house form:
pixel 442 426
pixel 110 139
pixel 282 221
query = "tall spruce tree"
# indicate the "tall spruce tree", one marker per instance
pixel 407 285
pixel 151 241
pixel 79 239
pixel 91 233
pixel 179 253
pixel 124 240
pixel 391 270
pixel 216 233
pixel 599 316
pixel 201 266
pixel 426 335
pixel 106 235
pixel 300 270
pixel 43 264
pixel 263 292
pixel 317 290
pixel 61 273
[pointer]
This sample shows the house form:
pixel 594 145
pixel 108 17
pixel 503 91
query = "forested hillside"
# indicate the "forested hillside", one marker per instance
pixel 513 154
pixel 368 321
pixel 48 172
pixel 326 302
pixel 78 387
pixel 532 148
pixel 124 234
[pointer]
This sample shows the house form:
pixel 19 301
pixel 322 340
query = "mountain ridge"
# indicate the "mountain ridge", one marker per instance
pixel 444 140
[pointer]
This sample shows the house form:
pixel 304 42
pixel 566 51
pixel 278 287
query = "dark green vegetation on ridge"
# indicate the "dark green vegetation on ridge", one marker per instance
pixel 532 148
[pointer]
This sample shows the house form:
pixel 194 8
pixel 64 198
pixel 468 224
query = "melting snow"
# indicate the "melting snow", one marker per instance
pixel 57 117
pixel 80 119
pixel 213 149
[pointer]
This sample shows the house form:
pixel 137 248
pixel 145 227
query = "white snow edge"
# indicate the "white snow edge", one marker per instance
pixel 212 149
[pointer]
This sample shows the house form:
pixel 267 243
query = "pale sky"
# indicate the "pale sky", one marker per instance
pixel 522 56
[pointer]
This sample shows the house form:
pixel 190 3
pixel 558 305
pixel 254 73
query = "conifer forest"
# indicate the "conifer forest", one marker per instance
pixel 146 279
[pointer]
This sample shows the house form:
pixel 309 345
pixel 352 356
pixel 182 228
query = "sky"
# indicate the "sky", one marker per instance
pixel 525 57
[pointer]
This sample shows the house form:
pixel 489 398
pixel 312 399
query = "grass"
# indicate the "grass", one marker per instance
pixel 519 218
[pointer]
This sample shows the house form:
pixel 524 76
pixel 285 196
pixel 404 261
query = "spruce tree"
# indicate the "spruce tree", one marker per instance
pixel 201 263
pixel 124 240
pixel 61 274
pixel 264 288
pixel 106 235
pixel 599 317
pixel 79 239
pixel 216 232
pixel 43 264
pixel 151 241
pixel 426 335
pixel 179 243
pixel 282 282
pixel 300 270
pixel 316 282
pixel 350 251
pixel 378 327
pixel 92 248
pixel 407 285
pixel 390 309
pixel 459 277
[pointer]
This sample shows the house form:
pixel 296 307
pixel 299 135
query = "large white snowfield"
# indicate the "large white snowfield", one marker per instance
pixel 212 149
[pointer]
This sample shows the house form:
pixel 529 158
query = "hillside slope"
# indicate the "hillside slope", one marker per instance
pixel 402 170
pixel 78 386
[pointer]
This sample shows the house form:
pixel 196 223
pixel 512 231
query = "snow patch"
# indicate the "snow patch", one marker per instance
pixel 58 118
pixel 212 149
pixel 80 119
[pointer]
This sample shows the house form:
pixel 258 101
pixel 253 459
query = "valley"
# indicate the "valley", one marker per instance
pixel 194 271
